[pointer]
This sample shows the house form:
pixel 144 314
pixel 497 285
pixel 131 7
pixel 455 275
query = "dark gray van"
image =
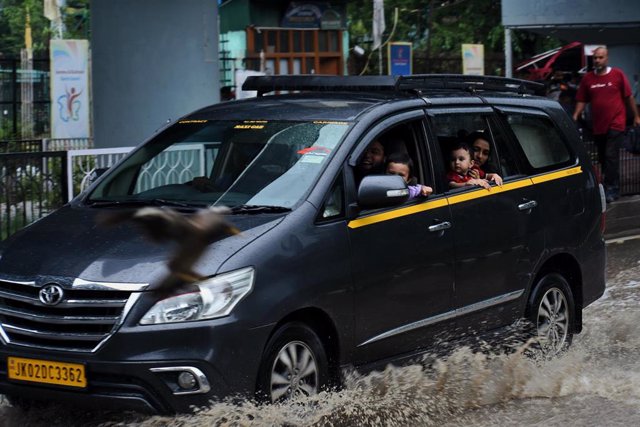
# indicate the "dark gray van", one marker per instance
pixel 333 267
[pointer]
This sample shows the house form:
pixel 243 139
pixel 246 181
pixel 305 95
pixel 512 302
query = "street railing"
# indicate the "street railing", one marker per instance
pixel 31 186
pixel 629 168
pixel 83 162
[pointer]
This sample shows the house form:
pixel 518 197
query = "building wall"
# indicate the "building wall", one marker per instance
pixel 236 46
pixel 545 12
pixel 234 15
pixel 627 58
pixel 152 61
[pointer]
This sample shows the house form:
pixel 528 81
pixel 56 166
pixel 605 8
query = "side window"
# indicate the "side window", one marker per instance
pixel 541 143
pixel 403 142
pixel 475 137
pixel 333 206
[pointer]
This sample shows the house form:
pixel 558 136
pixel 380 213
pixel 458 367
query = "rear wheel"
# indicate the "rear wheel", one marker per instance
pixel 294 364
pixel 552 312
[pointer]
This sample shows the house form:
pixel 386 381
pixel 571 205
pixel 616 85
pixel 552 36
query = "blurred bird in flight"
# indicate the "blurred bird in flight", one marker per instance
pixel 191 233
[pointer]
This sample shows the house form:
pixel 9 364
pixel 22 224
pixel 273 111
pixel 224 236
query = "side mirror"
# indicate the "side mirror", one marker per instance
pixel 379 191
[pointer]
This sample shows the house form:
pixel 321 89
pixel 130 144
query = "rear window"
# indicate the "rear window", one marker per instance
pixel 541 142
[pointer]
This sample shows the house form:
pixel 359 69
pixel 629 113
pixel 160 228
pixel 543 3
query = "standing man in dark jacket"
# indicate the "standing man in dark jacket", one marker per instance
pixel 608 91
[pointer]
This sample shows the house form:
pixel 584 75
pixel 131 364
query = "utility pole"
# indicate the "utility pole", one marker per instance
pixel 508 53
pixel 26 85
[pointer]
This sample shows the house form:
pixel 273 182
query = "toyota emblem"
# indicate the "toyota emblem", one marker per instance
pixel 51 294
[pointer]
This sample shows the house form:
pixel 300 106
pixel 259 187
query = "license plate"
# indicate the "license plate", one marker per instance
pixel 46 372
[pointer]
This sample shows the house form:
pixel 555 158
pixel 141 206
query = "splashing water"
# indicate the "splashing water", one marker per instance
pixel 596 382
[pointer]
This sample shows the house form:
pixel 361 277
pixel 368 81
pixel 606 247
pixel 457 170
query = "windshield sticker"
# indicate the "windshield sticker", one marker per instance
pixel 329 122
pixel 317 149
pixel 251 124
pixel 312 158
pixel 192 121
pixel 248 127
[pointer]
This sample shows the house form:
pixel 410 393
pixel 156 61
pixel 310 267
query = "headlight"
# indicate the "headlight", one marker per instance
pixel 216 297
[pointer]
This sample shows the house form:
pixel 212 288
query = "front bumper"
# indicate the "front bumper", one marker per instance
pixel 129 371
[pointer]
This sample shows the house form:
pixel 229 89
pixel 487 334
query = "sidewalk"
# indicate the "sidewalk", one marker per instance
pixel 623 217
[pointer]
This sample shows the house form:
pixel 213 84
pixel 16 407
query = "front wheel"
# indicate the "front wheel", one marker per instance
pixel 552 312
pixel 294 364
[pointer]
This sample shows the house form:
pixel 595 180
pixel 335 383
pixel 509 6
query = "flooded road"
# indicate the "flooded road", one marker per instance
pixel 597 382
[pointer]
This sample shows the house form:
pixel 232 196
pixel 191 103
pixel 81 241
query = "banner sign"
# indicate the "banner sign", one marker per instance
pixel 400 56
pixel 69 88
pixel 311 14
pixel 473 59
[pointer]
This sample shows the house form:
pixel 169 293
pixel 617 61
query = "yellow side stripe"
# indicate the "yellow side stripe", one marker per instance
pixel 556 175
pixel 460 198
pixel 481 192
pixel 409 210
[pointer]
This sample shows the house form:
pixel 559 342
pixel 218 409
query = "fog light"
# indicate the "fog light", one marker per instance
pixel 187 381
pixel 183 379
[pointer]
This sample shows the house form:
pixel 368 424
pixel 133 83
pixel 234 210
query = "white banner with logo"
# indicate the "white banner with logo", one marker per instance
pixel 69 88
pixel 473 59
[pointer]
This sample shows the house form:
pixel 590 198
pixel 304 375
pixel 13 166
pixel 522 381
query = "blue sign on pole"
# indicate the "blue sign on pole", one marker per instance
pixel 400 57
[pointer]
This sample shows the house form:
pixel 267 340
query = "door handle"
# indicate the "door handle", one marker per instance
pixel 527 206
pixel 440 226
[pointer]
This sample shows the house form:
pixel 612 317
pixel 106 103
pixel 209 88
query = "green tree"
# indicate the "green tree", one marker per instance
pixel 438 28
pixel 13 15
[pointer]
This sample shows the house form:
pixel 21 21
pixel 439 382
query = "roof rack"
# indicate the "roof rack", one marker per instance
pixel 417 82
pixel 421 82
pixel 316 82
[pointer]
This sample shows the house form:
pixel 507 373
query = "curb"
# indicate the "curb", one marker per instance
pixel 622 218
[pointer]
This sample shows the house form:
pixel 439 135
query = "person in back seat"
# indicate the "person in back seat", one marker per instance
pixel 401 164
pixel 461 164
pixel 481 151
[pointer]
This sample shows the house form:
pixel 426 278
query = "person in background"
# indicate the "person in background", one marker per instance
pixel 608 91
pixel 401 164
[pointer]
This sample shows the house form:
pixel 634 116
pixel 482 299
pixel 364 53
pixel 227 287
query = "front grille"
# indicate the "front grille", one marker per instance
pixel 88 314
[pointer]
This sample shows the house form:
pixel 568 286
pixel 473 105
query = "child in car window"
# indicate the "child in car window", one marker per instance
pixel 481 150
pixel 461 164
pixel 401 164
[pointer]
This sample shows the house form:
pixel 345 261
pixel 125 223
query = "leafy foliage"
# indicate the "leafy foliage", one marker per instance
pixel 438 28
pixel 13 17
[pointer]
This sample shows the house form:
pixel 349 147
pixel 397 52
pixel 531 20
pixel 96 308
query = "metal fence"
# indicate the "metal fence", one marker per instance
pixel 24 88
pixel 629 169
pixel 32 185
pixel 44 144
pixel 83 162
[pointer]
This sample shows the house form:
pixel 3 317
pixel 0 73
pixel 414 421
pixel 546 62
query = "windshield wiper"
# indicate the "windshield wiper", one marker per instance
pixel 256 209
pixel 146 202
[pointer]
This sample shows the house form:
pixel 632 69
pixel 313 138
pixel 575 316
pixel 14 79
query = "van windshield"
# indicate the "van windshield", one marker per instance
pixel 229 163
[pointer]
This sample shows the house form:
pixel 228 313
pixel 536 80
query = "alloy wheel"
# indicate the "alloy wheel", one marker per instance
pixel 553 321
pixel 294 372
